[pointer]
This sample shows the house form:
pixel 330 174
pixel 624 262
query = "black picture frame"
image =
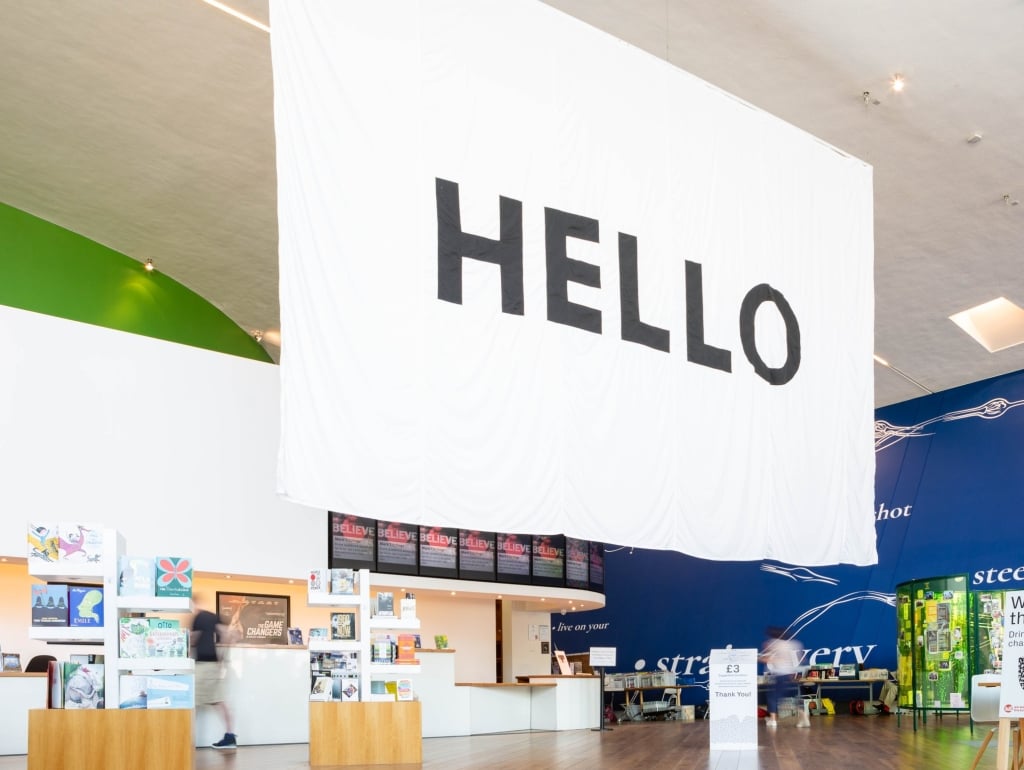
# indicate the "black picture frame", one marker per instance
pixel 477 554
pixel 439 552
pixel 257 618
pixel 577 563
pixel 596 567
pixel 351 541
pixel 547 560
pixel 398 548
pixel 514 557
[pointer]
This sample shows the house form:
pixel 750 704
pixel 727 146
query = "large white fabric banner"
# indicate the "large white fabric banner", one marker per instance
pixel 536 280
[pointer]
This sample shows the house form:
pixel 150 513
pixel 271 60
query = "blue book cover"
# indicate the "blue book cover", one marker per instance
pixel 133 691
pixel 86 605
pixel 49 604
pixel 170 691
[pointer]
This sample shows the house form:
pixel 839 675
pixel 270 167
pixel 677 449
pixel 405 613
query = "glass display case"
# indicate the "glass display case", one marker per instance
pixel 934 644
pixel 987 618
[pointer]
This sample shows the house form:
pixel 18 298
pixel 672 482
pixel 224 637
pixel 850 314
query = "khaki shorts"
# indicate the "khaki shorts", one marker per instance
pixel 209 682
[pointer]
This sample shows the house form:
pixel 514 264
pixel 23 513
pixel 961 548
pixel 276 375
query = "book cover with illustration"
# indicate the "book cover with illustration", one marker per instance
pixel 344 581
pixel 167 642
pixel 344 686
pixel 170 691
pixel 83 686
pixel 86 605
pixel 319 633
pixel 385 604
pixel 133 691
pixel 49 604
pixel 343 625
pixel 131 634
pixel 294 636
pixel 321 688
pixel 316 583
pixel 43 542
pixel 79 543
pixel 173 576
pixel 136 576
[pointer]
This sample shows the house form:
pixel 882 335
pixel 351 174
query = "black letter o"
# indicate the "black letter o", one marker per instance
pixel 755 298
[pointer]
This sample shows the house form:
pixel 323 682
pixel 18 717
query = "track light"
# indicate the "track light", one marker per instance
pixel 257 334
pixel 149 266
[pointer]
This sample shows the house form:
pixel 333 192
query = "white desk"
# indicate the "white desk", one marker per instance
pixel 19 692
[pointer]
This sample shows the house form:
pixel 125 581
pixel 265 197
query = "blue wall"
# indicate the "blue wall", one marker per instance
pixel 949 486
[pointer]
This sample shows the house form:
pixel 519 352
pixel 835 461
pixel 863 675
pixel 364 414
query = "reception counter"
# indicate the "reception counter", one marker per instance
pixel 19 693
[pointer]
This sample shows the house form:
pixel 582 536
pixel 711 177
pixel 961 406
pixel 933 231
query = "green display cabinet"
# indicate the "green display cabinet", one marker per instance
pixel 987 631
pixel 934 645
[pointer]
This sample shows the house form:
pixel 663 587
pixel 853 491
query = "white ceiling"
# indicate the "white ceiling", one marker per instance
pixel 148 126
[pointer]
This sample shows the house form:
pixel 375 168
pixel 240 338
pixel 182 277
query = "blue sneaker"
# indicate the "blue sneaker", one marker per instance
pixel 227 742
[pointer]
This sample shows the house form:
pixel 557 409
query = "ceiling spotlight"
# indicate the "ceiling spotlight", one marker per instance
pixel 898 82
pixel 974 139
pixel 149 266
pixel 257 334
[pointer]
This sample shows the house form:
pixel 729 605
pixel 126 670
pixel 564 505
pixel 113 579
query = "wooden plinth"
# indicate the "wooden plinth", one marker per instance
pixel 112 739
pixel 365 733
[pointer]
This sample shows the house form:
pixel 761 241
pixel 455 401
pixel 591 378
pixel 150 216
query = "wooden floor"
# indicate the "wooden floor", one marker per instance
pixel 832 742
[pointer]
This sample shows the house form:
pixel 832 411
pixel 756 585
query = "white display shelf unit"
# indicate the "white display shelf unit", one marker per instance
pixel 367 625
pixel 115 607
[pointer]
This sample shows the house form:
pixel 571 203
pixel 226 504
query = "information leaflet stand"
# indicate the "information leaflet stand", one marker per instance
pixel 1011 687
pixel 599 658
pixel 732 691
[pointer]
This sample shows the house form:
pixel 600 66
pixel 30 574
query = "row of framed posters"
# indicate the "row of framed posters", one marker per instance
pixel 466 554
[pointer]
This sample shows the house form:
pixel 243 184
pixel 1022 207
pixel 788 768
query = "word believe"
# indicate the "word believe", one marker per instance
pixel 454 245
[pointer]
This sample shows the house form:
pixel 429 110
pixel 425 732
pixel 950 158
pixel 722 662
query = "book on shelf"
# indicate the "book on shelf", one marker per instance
pixel 345 688
pixel 49 604
pixel 317 581
pixel 84 658
pixel 328 662
pixel 319 633
pixel 155 623
pixel 294 635
pixel 167 643
pixel 344 581
pixel 85 605
pixel 132 691
pixel 170 691
pixel 383 650
pixel 11 661
pixel 43 543
pixel 343 625
pixel 83 686
pixel 321 688
pixel 136 576
pixel 54 685
pixel 385 604
pixel 79 543
pixel 404 691
pixel 407 607
pixel 406 649
pixel 152 638
pixel 173 576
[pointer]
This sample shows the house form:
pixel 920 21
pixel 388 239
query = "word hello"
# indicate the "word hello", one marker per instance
pixel 454 245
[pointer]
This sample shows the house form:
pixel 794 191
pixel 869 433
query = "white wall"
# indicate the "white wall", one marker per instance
pixel 521 653
pixel 173 446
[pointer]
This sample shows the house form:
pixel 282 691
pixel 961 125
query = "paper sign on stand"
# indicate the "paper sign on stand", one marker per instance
pixel 732 690
pixel 1011 690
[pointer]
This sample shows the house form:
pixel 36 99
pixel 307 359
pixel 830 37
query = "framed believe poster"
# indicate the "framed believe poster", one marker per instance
pixel 577 563
pixel 439 552
pixel 477 554
pixel 351 541
pixel 257 618
pixel 548 567
pixel 398 547
pixel 514 558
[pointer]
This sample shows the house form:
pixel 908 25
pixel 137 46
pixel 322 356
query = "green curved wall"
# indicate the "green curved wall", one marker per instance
pixel 47 269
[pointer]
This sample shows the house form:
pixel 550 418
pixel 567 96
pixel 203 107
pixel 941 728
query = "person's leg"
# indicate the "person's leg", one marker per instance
pixel 773 702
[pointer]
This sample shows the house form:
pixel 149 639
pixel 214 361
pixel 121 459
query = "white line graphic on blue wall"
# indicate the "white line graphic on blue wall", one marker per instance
pixel 798 574
pixel 887 434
